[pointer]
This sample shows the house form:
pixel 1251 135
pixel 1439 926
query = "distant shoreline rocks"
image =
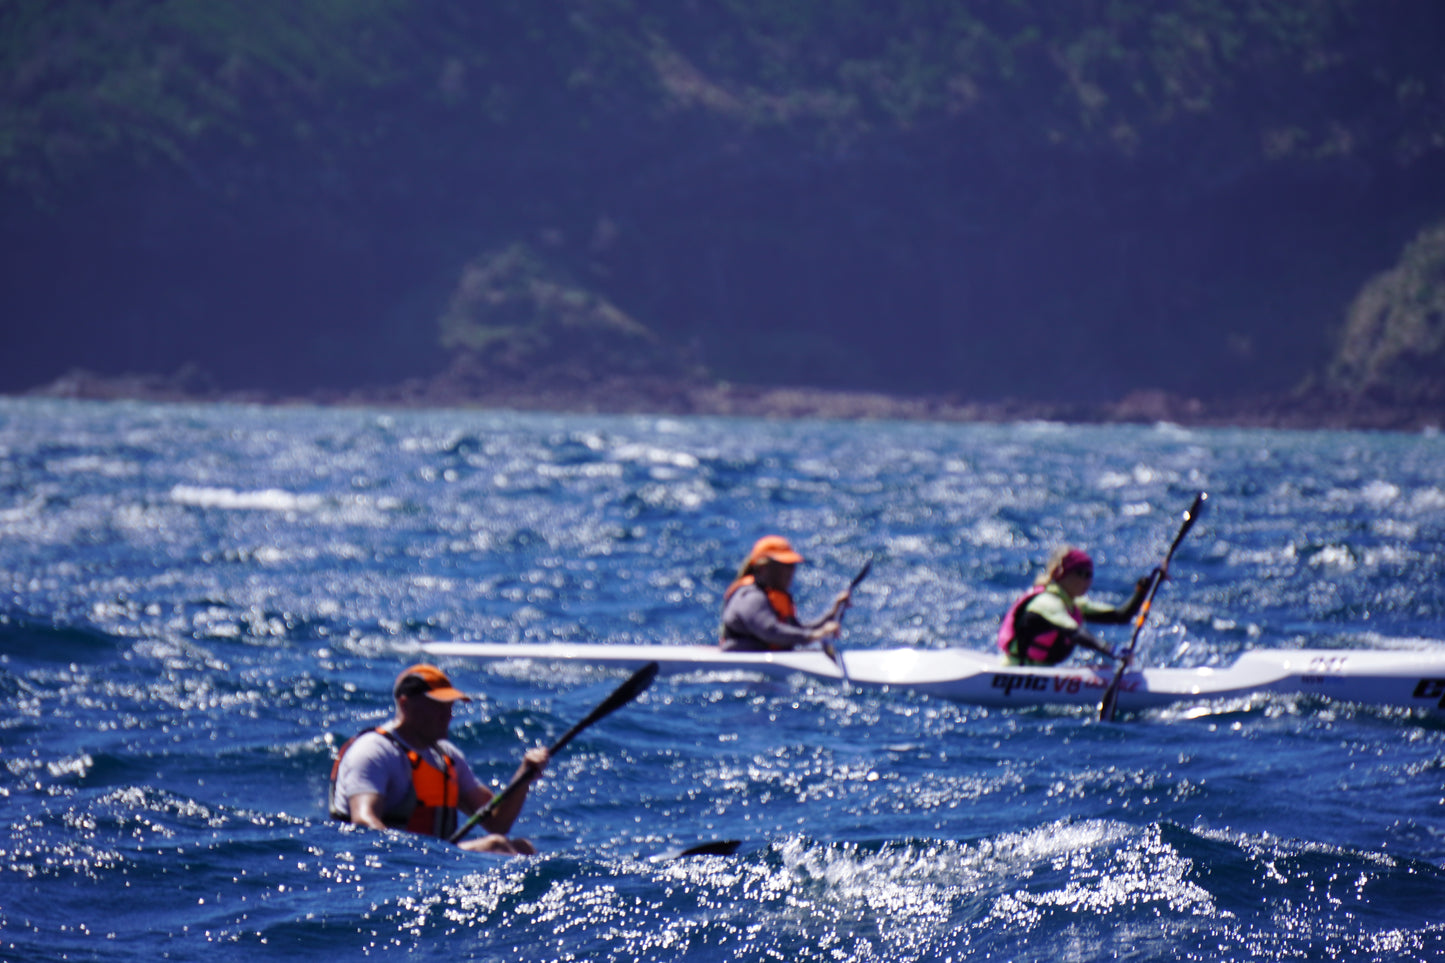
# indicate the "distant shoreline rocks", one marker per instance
pixel 575 391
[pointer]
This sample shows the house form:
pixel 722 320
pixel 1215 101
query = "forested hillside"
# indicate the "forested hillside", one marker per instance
pixel 1006 198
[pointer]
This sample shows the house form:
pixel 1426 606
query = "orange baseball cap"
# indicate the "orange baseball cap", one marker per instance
pixel 774 548
pixel 429 681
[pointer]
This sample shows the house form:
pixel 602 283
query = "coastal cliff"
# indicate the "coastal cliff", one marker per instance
pixel 1008 207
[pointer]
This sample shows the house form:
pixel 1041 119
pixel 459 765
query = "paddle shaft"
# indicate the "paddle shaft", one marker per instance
pixel 829 647
pixel 862 574
pixel 625 693
pixel 1109 704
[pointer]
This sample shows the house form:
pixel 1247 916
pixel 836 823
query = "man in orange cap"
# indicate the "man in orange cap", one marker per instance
pixel 758 610
pixel 408 775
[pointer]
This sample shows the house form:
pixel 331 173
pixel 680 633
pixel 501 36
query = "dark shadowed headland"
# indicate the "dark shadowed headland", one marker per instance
pixel 577 391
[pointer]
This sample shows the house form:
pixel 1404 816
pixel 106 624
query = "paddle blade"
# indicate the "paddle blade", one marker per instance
pixel 1109 705
pixel 1191 515
pixel 636 684
pixel 831 651
pixel 718 847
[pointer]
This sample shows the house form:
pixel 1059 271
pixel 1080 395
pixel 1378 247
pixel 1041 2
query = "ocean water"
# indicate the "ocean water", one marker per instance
pixel 200 602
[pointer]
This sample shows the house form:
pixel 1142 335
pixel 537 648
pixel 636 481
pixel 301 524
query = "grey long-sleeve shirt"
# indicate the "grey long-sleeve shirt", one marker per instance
pixel 749 624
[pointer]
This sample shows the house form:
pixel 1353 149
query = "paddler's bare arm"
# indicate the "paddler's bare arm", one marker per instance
pixel 825 630
pixel 366 809
pixel 533 763
pixel 1089 642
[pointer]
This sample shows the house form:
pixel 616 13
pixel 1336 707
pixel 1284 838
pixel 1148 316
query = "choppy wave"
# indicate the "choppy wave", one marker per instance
pixel 200 603
pixel 201 881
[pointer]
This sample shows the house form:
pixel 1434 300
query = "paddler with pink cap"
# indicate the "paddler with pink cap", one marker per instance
pixel 1045 624
pixel 758 610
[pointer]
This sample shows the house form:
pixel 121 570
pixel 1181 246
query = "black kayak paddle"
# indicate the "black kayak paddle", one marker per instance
pixel 624 694
pixel 716 847
pixel 1110 703
pixel 829 648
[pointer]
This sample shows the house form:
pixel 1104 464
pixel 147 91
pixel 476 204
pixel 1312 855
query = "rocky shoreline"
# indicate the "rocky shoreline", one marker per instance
pixel 574 391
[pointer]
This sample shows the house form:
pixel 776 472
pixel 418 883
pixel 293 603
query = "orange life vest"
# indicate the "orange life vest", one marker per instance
pixel 430 807
pixel 780 602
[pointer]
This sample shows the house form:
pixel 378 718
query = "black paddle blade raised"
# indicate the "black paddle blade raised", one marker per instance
pixel 1109 704
pixel 1191 515
pixel 636 684
pixel 718 847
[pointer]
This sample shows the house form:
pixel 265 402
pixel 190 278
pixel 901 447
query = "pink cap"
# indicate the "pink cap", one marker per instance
pixel 1073 560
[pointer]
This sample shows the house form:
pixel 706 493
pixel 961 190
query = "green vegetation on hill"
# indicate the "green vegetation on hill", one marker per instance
pixel 142 83
pixel 150 80
pixel 1394 341
pixel 897 196
pixel 512 303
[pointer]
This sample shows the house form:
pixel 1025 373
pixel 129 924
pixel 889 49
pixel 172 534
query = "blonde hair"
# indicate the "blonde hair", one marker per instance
pixel 1056 558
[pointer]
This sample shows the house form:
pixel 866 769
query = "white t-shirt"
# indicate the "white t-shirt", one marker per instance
pixel 373 763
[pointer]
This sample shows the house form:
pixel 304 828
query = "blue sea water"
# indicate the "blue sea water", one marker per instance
pixel 200 602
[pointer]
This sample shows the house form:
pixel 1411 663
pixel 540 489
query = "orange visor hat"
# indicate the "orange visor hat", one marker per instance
pixel 774 548
pixel 429 681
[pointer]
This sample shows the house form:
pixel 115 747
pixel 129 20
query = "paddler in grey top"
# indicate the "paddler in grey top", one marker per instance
pixel 408 775
pixel 758 610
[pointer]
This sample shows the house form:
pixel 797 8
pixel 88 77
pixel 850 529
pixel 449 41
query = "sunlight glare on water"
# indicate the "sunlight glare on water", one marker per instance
pixel 202 603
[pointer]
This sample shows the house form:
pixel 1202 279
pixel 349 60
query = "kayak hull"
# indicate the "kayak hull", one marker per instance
pixel 1414 679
